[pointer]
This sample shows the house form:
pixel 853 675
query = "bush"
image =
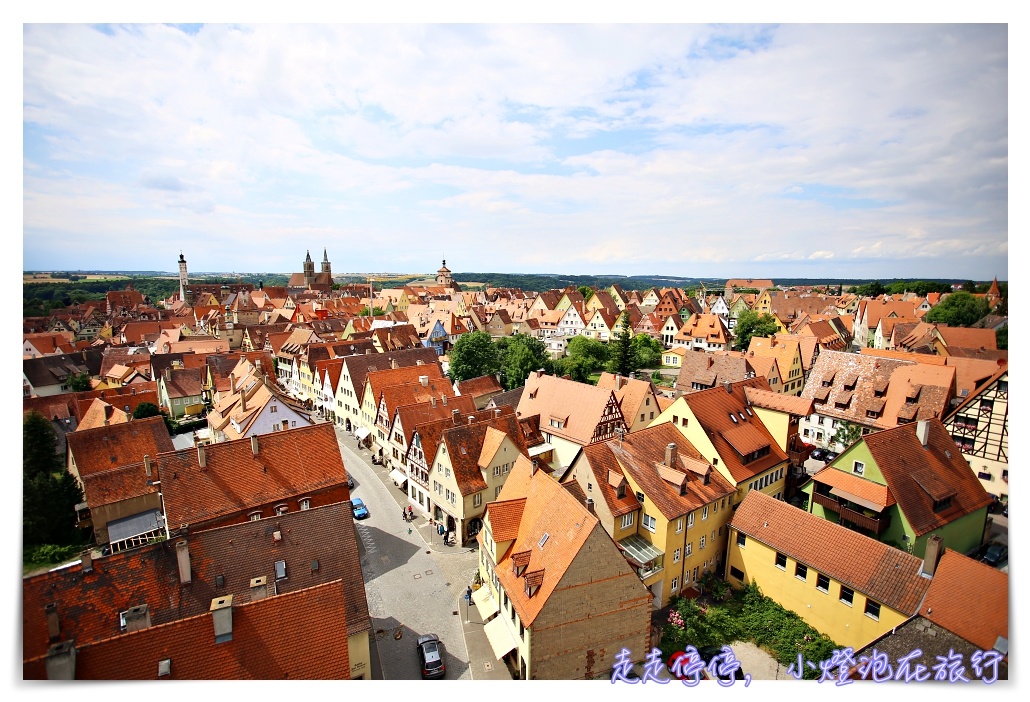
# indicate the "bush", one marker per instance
pixel 50 554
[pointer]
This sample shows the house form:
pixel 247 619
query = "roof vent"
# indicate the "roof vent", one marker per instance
pixel 164 667
pixel 258 588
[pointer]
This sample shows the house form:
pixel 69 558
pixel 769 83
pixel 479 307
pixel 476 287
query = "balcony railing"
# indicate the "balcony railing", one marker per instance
pixel 827 502
pixel 858 519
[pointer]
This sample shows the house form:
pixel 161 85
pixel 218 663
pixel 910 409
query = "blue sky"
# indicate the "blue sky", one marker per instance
pixel 671 149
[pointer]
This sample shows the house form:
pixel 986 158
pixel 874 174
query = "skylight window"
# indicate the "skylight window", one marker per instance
pixel 733 417
pixel 543 539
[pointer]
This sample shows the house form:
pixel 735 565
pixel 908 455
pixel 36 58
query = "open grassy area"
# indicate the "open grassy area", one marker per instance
pixel 29 278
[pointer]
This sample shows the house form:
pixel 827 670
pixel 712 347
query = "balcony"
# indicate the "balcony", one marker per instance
pixel 827 502
pixel 873 524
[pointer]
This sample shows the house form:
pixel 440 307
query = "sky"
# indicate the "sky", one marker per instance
pixel 729 150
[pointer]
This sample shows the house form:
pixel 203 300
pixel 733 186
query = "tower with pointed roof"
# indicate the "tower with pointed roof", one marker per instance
pixel 309 270
pixel 444 279
pixel 326 266
pixel 183 277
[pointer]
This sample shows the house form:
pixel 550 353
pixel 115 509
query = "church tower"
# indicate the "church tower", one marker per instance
pixel 183 277
pixel 443 276
pixel 309 270
pixel 326 267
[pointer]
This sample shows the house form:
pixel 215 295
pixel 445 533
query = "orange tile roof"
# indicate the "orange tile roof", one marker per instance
pixel 468 442
pixel 505 516
pixel 778 402
pixel 477 387
pixel 406 375
pixel 289 464
pixel 913 471
pixel 103 448
pixel 970 599
pixel 867 490
pixel 580 406
pixel 879 571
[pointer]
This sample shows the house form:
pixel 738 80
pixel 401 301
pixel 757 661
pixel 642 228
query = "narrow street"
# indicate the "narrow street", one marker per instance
pixel 412 589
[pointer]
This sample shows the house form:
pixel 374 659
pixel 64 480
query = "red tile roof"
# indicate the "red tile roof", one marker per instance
pixel 875 569
pixel 103 448
pixel 970 599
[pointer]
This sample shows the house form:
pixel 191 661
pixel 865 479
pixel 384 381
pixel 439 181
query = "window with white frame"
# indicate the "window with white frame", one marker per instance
pixel 676 556
pixel 649 522
pixel 701 543
pixel 704 513
pixel 305 503
pixel 477 499
pixel 690 520
pixel 628 520
pixel 675 585
pixel 679 525
pixel 858 468
pixel 254 516
pixel 688 548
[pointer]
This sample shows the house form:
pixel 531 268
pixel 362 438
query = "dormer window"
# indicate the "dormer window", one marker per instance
pixel 941 505
pixel 621 492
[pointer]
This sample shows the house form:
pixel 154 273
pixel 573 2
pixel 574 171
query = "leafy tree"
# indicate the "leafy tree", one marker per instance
pixel 586 291
pixel 960 309
pixel 846 434
pixel 146 409
pixel 79 382
pixel 589 353
pixel 522 354
pixel 970 287
pixel 647 352
pixel 620 354
pixel 1002 336
pixel 578 368
pixel 49 492
pixel 872 289
pixel 749 324
pixel 473 355
pixel 376 312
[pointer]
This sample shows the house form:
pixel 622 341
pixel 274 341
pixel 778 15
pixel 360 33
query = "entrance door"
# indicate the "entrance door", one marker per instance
pixel 657 590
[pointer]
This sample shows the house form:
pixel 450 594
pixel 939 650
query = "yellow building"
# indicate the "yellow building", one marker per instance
pixel 850 587
pixel 722 426
pixel 663 504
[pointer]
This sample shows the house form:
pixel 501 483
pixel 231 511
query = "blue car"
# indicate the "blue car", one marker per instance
pixel 359 508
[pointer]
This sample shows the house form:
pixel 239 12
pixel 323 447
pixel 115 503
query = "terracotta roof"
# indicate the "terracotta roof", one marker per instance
pixel 713 408
pixel 430 433
pixel 101 414
pixel 580 405
pixel 875 569
pixel 969 599
pixel 746 438
pixel 710 370
pixel 360 366
pixel 602 463
pixel 477 387
pixel 505 516
pixel 915 472
pixel 630 392
pixel 858 486
pixel 469 444
pixel 778 402
pixel 411 415
pixel 103 448
pixel 184 382
pixel 785 349
pixel 968 337
pixel 289 464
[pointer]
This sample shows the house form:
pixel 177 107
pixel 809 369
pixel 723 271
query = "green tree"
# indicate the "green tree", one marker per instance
pixel 959 309
pixel 146 409
pixel 647 352
pixel 620 354
pixel 79 382
pixel 750 324
pixel 521 355
pixel 1002 335
pixel 846 434
pixel 586 292
pixel 589 353
pixel 473 355
pixel 872 289
pixel 49 492
pixel 376 312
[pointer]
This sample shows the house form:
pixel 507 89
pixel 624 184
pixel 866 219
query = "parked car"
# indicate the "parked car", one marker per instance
pixel 709 652
pixel 430 656
pixel 817 454
pixel 350 482
pixel 996 553
pixel 1005 510
pixel 830 456
pixel 359 508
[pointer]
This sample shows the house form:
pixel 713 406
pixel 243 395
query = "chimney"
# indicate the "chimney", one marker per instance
pixel 618 381
pixel 497 411
pixel 632 375
pixel 424 380
pixel 146 465
pixel 201 458
pixel 455 414
pixel 420 362
pixel 532 470
pixel 368 351
pixel 168 375
pixel 670 455
pixel 87 561
pixel 243 399
pixel 137 618
pixel 932 555
pixel 254 448
pixel 923 431
pixel 53 625
pixel 471 419
pixel 772 341
pixel 182 554
pixel 443 398
pixel 728 385
pixel 232 382
pixel 221 617
pixel 432 401
pixel 258 588
pixel 590 505
pixel 60 661
pixel 393 363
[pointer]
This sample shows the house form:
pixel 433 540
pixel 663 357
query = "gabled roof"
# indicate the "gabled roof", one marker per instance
pixel 478 387
pixel 917 475
pixel 411 415
pixel 289 464
pixel 630 392
pixel 580 405
pixel 107 447
pixel 505 516
pixel 430 433
pixel 359 366
pixel 879 571
pixel 553 527
pixel 970 599
pixel 710 370
pixel 778 402
pixel 101 414
pixel 716 409
pixel 469 445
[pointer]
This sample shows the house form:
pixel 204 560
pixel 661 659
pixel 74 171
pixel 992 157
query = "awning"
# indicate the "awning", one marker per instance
pixel 638 549
pixel 535 451
pixel 361 433
pixel 837 492
pixel 136 525
pixel 398 476
pixel 485 602
pixel 502 641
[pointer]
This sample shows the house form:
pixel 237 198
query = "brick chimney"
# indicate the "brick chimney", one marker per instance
pixel 923 431
pixel 590 505
pixel 254 448
pixel 221 617
pixel 60 661
pixel 243 399
pixel 232 383
pixel 258 588
pixel 53 624
pixel 455 414
pixel 182 555
pixel 932 555
pixel 728 385
pixel 137 618
pixel 670 455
